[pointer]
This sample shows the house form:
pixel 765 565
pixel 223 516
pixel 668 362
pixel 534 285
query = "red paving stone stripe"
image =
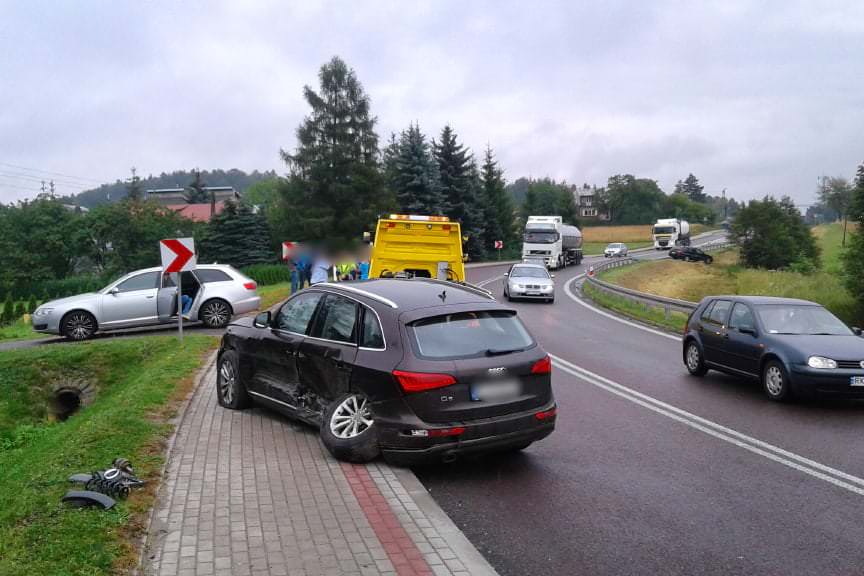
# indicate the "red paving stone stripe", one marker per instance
pixel 400 548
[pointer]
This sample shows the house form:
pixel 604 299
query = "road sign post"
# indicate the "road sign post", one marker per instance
pixel 499 245
pixel 178 255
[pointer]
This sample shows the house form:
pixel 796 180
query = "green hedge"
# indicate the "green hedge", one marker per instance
pixel 267 274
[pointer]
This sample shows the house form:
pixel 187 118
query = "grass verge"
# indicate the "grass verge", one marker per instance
pixel 273 294
pixel 137 384
pixel 674 322
pixel 19 330
pixel 692 281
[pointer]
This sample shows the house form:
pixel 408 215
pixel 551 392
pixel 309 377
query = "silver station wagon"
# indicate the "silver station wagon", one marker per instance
pixel 148 297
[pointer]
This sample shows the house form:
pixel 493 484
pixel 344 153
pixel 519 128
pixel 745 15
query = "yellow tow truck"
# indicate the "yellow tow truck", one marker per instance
pixel 418 247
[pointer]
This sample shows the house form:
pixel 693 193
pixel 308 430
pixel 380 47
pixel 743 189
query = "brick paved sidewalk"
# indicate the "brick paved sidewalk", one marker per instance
pixel 253 493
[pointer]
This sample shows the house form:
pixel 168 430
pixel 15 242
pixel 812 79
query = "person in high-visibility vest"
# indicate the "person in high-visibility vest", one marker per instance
pixel 346 270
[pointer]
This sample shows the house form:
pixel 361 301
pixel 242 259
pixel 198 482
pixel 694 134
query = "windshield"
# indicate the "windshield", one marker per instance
pixel 469 334
pixel 540 237
pixel 801 319
pixel 613 246
pixel 664 230
pixel 529 272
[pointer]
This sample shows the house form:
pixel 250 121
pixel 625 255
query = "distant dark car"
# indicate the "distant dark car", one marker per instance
pixel 793 347
pixel 690 254
pixel 412 368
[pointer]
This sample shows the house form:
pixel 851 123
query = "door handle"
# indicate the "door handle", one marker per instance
pixel 150 297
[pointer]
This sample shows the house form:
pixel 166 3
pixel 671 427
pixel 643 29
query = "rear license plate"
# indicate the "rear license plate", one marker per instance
pixel 495 391
pixel 857 381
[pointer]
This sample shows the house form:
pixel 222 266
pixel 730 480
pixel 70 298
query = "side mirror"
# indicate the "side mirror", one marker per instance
pixel 262 320
pixel 114 291
pixel 747 330
pixel 857 331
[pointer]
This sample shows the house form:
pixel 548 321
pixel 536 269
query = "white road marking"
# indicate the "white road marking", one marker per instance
pixel 581 302
pixel 774 453
pixel 489 280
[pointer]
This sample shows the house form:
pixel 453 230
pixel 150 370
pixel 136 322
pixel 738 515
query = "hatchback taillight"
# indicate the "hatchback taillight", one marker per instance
pixel 250 285
pixel 543 366
pixel 420 381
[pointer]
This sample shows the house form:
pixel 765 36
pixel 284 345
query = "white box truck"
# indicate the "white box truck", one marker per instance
pixel 669 232
pixel 547 239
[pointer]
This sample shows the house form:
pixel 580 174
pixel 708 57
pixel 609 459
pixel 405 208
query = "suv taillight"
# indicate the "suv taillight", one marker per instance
pixel 420 381
pixel 250 285
pixel 543 366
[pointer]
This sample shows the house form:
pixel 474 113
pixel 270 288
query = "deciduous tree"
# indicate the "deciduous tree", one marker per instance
pixel 772 234
pixel 853 257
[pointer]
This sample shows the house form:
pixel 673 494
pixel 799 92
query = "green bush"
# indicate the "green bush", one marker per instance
pixel 8 310
pixel 19 310
pixel 32 304
pixel 268 274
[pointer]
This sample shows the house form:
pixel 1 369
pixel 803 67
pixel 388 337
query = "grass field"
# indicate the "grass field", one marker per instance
pixel 830 239
pixel 136 384
pixel 627 234
pixel 693 281
pixel 273 294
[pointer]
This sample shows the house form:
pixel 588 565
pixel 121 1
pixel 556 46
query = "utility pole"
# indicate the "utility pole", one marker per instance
pixel 43 187
pixel 724 205
pixel 52 188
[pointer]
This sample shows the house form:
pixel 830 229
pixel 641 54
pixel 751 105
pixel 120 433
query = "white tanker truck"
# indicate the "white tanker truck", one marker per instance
pixel 671 232
pixel 547 239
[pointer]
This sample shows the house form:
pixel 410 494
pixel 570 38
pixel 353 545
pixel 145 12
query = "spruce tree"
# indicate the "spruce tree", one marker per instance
pixel 238 236
pixel 415 182
pixel 20 310
pixel 134 190
pixel 691 188
pixel 853 257
pixel 8 310
pixel 195 192
pixel 31 304
pixel 498 205
pixel 336 190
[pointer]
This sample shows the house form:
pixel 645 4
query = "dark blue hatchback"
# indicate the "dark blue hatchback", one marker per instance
pixel 793 347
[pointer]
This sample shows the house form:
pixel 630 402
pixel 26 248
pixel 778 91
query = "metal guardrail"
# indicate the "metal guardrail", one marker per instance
pixel 667 304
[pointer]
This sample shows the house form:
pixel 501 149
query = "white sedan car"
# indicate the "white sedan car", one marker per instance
pixel 147 297
pixel 615 249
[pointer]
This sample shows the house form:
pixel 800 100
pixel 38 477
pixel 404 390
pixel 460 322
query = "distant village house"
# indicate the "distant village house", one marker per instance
pixel 175 199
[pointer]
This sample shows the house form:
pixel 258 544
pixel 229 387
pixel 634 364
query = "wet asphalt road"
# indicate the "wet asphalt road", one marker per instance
pixel 633 484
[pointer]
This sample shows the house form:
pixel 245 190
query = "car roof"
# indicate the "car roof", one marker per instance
pixel 528 265
pixel 411 293
pixel 159 268
pixel 757 300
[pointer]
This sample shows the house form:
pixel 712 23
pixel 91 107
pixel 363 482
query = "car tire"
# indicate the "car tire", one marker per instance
pixel 230 390
pixel 775 382
pixel 215 313
pixel 78 325
pixel 346 436
pixel 693 359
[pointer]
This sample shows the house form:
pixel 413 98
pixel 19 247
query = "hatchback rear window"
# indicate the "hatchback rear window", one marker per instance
pixel 469 335
pixel 208 275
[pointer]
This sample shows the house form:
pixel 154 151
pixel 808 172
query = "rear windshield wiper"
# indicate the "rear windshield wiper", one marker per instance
pixel 500 351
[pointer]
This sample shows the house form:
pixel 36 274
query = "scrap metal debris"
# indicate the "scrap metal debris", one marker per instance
pixel 101 487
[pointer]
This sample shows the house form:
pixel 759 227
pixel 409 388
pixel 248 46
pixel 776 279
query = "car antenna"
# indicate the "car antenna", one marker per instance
pixel 443 295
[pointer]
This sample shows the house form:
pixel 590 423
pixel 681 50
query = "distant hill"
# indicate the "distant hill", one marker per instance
pixel 107 193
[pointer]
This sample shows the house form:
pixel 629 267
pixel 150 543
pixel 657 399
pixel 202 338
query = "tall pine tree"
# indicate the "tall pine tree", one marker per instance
pixel 415 180
pixel 460 186
pixel 497 204
pixel 195 192
pixel 335 191
pixel 691 188
pixel 238 236
pixel 134 190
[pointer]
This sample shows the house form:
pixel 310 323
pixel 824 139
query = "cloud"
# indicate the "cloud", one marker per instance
pixel 754 97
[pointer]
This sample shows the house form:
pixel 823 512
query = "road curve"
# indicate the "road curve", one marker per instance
pixel 652 471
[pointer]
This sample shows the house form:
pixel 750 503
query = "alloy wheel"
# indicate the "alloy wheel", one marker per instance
pixel 774 381
pixel 693 357
pixel 79 326
pixel 215 314
pixel 227 381
pixel 351 418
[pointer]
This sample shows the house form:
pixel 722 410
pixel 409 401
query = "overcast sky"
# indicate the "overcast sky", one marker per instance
pixel 755 97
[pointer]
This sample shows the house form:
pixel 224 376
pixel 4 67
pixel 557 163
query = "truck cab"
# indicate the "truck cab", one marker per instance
pixel 670 232
pixel 417 246
pixel 549 241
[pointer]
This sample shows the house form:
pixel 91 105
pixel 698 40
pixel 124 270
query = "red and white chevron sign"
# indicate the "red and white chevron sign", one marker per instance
pixel 178 254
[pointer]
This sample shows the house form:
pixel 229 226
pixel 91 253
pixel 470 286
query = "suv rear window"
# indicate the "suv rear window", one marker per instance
pixel 469 335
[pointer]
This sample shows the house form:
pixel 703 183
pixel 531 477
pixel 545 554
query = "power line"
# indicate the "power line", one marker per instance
pixel 13 176
pixel 50 173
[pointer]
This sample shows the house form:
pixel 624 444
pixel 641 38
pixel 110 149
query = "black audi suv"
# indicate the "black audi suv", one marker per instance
pixel 794 347
pixel 416 369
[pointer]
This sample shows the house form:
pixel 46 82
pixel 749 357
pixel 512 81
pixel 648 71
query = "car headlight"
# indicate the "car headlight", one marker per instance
pixel 821 362
pixel 43 311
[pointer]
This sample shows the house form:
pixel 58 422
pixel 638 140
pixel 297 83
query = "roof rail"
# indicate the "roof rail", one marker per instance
pixel 465 285
pixel 366 293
